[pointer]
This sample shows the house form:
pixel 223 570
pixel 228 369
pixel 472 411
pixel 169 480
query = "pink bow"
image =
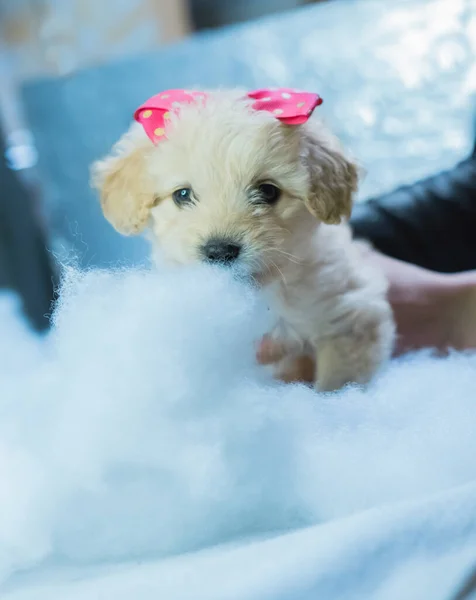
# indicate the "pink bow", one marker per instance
pixel 289 106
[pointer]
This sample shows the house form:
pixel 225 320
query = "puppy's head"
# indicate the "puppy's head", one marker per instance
pixel 228 184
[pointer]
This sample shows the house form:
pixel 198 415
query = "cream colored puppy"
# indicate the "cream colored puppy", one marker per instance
pixel 228 184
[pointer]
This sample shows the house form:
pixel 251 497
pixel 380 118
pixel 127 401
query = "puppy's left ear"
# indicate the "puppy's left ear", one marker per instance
pixel 125 185
pixel 333 177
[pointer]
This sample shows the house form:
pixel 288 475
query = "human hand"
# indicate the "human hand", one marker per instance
pixel 294 367
pixel 431 310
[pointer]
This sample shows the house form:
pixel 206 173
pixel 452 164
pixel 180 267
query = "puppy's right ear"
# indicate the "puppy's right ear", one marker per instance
pixel 333 177
pixel 125 186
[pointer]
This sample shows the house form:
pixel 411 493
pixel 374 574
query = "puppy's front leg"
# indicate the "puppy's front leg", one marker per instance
pixel 353 357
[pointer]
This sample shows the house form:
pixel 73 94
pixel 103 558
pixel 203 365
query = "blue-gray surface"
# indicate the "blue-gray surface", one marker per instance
pixel 396 76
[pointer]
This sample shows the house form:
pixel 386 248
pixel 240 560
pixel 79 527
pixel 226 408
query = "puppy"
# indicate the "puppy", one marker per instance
pixel 249 181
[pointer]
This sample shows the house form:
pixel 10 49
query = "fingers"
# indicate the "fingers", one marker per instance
pixel 301 369
pixel 270 351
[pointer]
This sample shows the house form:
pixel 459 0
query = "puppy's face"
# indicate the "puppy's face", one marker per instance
pixel 228 185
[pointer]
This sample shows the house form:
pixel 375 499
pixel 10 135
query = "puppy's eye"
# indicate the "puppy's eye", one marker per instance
pixel 269 193
pixel 182 196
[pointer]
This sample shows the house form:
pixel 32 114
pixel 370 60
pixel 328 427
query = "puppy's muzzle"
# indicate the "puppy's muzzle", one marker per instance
pixel 223 252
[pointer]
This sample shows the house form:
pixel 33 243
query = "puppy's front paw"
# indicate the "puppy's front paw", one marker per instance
pixel 354 359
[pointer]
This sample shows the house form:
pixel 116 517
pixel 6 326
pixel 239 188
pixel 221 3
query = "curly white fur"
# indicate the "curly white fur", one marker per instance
pixel 331 305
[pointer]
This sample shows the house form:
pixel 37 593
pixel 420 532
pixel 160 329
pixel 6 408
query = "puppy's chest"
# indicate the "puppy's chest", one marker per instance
pixel 297 312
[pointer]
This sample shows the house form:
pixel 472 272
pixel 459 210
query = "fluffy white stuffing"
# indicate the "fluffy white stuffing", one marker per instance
pixel 142 427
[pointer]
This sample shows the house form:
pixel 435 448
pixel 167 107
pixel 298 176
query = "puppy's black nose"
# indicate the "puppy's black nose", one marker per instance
pixel 221 251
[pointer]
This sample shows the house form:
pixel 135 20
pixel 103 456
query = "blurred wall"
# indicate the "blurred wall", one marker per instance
pixel 53 38
pixel 56 37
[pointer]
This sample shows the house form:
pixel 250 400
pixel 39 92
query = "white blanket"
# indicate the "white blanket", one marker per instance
pixel 144 455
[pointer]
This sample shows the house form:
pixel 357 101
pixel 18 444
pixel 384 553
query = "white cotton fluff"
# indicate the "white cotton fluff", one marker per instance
pixel 147 429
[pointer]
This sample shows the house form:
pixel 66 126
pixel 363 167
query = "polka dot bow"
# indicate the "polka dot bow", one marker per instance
pixel 287 105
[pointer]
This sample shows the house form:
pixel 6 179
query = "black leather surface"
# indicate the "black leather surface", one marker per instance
pixel 25 264
pixel 396 77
